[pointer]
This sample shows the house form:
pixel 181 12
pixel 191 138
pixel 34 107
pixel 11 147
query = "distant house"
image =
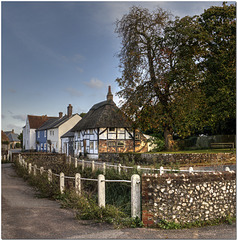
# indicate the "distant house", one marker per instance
pixel 41 135
pixel 5 142
pixel 13 139
pixel 105 128
pixel 48 135
pixel 29 137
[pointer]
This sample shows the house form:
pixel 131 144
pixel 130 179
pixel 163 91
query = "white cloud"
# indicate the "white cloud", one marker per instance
pixel 94 83
pixel 73 92
pixel 21 117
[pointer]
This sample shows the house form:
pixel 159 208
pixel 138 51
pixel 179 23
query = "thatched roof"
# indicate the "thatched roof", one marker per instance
pixel 103 115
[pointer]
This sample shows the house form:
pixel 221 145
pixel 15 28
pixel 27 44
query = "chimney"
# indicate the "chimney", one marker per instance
pixel 109 95
pixel 60 114
pixel 12 130
pixel 69 110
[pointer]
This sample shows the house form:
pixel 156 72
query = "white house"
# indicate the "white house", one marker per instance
pixel 29 137
pixel 58 128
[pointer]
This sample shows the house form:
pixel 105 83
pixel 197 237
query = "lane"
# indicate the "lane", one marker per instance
pixel 26 217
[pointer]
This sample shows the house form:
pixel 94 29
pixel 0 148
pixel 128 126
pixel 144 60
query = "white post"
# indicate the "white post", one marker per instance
pixel 82 164
pixel 135 196
pixel 119 168
pixel 78 183
pixel 35 166
pixel 62 183
pixel 161 170
pixel 101 190
pixel 190 170
pixel 227 169
pixel 75 162
pixel 41 170
pixel 25 165
pixel 92 166
pixel 50 175
pixel 29 168
pixel 104 168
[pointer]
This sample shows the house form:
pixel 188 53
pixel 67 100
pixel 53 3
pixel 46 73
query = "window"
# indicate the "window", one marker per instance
pixel 96 145
pixel 137 136
pixel 91 146
pixel 38 134
pixel 45 133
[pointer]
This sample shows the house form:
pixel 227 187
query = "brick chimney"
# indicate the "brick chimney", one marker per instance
pixel 60 114
pixel 69 110
pixel 109 95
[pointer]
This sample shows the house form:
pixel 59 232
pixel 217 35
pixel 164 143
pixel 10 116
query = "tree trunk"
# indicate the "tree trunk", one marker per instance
pixel 169 142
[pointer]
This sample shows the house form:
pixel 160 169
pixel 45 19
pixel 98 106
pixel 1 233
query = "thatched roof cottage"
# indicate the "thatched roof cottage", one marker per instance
pixel 105 128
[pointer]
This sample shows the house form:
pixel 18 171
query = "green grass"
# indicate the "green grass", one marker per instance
pixel 197 151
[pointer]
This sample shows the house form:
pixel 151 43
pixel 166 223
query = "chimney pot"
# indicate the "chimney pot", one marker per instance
pixel 69 110
pixel 109 95
pixel 60 114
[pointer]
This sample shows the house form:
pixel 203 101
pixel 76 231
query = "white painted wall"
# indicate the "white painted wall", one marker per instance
pixel 29 137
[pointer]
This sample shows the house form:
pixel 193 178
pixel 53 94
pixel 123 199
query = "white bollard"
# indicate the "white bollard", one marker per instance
pixel 78 183
pixel 135 196
pixel 119 168
pixel 101 190
pixel 104 168
pixel 161 170
pixel 75 162
pixel 82 164
pixel 41 170
pixel 93 166
pixel 29 168
pixel 62 186
pixel 50 175
pixel 190 170
pixel 35 168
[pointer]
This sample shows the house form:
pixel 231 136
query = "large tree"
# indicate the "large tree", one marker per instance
pixel 218 40
pixel 160 78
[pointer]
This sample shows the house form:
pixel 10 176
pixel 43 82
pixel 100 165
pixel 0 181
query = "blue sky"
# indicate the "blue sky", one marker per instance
pixel 60 53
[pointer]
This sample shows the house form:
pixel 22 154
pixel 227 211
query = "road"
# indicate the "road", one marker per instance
pixel 24 216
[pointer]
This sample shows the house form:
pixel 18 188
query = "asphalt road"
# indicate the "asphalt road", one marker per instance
pixel 26 217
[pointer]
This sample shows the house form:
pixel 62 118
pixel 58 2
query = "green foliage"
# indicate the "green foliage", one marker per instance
pixel 163 224
pixel 158 143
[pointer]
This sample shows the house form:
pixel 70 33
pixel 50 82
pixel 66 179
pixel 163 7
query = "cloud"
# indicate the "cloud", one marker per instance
pixel 21 117
pixel 94 83
pixel 17 129
pixel 73 92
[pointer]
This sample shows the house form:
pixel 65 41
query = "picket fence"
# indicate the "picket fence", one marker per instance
pixel 135 185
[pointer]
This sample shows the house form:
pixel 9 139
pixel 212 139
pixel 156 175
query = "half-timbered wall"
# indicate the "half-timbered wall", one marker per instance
pixel 94 141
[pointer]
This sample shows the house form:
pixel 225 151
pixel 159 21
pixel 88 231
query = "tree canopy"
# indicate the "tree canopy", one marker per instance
pixel 167 69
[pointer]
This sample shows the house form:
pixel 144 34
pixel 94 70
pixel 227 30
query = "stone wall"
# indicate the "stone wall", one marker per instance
pixel 190 197
pixel 46 160
pixel 164 159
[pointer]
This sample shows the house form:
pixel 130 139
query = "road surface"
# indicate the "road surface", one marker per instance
pixel 25 216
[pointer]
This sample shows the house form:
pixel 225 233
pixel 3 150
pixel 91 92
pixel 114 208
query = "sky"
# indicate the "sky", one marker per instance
pixel 60 53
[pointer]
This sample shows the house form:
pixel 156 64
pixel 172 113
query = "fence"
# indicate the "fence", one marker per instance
pixel 119 167
pixel 135 185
